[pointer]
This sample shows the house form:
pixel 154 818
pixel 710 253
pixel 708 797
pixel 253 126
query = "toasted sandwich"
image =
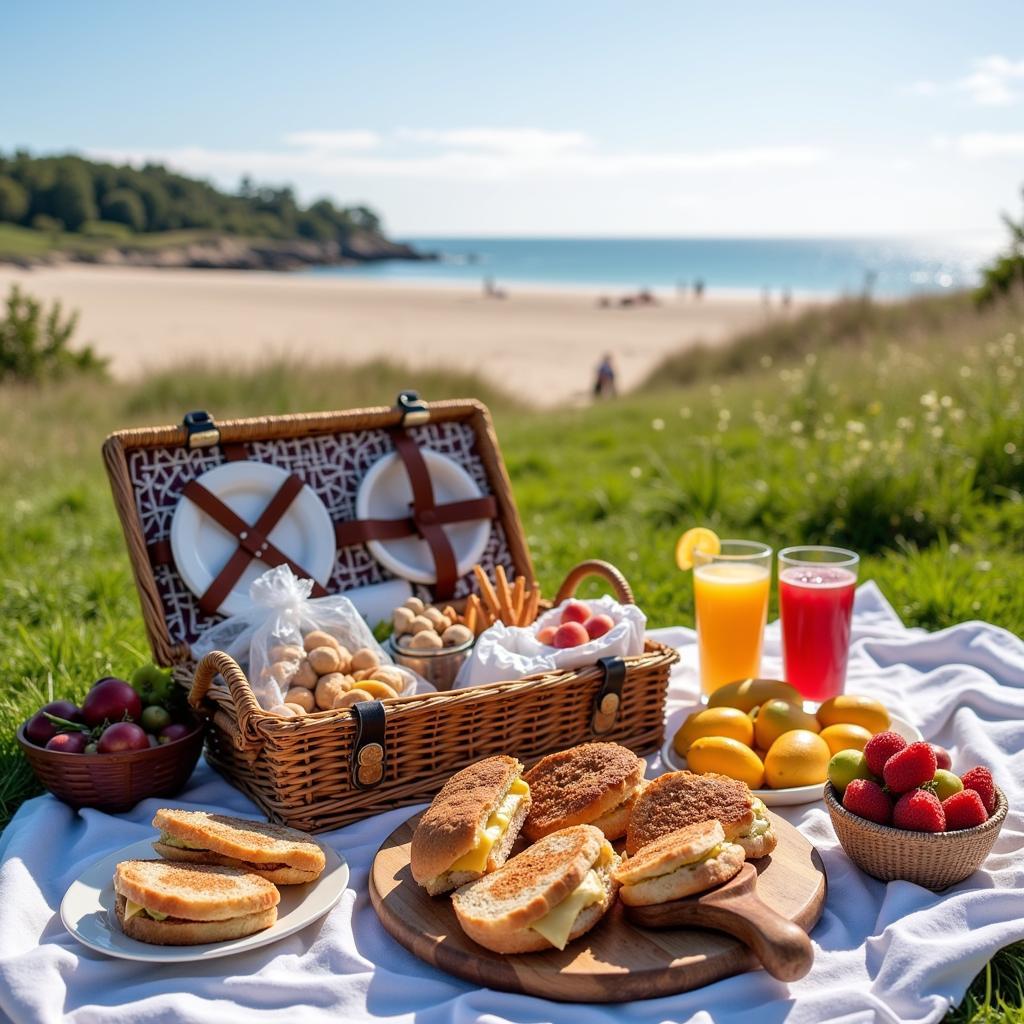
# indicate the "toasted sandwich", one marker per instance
pixel 281 855
pixel 471 826
pixel 684 798
pixel 592 784
pixel 681 863
pixel 170 904
pixel 543 898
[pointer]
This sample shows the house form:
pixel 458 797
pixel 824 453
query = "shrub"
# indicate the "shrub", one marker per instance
pixel 35 343
pixel 124 206
pixel 13 200
pixel 44 222
pixel 106 229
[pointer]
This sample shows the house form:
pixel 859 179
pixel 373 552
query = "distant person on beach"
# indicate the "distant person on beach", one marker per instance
pixel 491 291
pixel 787 298
pixel 698 289
pixel 604 381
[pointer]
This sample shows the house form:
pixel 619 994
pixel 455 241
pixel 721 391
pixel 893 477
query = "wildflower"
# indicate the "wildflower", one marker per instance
pixel 636 472
pixel 904 423
pixel 685 412
pixel 657 424
pixel 855 427
pixel 865 445
pixel 929 399
pixel 1010 448
pixel 983 566
pixel 965 372
pixel 937 432
pixel 875 408
pixel 796 426
pixel 946 401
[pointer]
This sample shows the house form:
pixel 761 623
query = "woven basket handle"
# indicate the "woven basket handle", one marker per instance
pixel 246 706
pixel 595 567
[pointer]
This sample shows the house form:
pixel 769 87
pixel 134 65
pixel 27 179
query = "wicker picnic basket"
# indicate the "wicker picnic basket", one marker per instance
pixel 330 768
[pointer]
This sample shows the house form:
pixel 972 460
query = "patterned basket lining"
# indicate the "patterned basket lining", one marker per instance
pixel 332 464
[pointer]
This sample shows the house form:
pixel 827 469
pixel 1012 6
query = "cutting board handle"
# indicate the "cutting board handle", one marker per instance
pixel 782 946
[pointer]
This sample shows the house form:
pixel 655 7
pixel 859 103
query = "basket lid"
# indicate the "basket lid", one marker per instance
pixel 153 470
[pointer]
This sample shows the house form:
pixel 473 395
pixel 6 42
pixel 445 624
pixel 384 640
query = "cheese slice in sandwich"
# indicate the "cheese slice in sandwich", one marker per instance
pixel 284 856
pixel 168 904
pixel 543 898
pixel 471 826
pixel 678 864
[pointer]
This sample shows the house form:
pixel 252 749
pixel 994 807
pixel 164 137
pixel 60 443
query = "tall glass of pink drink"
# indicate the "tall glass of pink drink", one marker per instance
pixel 816 586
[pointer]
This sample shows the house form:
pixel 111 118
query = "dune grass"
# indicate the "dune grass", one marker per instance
pixel 900 434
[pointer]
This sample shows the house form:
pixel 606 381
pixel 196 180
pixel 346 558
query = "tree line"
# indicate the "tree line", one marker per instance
pixel 70 193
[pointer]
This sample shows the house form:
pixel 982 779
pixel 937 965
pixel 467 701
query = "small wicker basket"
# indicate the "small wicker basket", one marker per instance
pixel 935 860
pixel 114 782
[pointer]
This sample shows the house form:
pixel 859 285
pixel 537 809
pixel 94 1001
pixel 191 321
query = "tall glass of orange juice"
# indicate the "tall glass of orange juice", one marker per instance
pixel 731 596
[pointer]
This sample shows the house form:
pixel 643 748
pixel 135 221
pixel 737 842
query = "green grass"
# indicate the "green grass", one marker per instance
pixel 899 432
pixel 26 243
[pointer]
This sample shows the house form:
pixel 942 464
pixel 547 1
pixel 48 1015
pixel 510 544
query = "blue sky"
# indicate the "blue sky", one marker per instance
pixel 549 118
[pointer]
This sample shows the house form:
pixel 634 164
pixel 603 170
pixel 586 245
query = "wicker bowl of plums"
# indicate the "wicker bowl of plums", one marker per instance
pixel 126 741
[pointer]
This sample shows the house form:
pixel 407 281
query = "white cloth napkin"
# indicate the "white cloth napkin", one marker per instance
pixel 892 952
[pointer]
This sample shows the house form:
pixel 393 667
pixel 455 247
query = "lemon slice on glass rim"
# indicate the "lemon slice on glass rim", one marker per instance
pixel 700 538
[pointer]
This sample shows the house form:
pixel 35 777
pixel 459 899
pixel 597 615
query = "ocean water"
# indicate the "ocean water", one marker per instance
pixel 892 267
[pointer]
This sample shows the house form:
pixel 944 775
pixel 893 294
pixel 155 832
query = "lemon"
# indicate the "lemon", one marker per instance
pixel 797 758
pixel 700 538
pixel 776 717
pixel 845 736
pixel 726 757
pixel 747 694
pixel 727 722
pixel 855 710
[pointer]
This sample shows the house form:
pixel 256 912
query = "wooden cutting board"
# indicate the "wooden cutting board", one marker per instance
pixel 613 963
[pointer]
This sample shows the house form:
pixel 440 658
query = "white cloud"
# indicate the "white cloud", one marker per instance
pixel 994 81
pixel 358 140
pixel 985 145
pixel 478 154
pixel 499 140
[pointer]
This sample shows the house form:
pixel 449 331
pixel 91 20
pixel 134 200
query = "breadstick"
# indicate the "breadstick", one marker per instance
pixel 450 614
pixel 504 596
pixel 487 594
pixel 532 603
pixel 472 616
pixel 518 593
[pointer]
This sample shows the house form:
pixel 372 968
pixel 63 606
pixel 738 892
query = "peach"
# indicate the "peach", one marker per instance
pixel 547 635
pixel 570 634
pixel 575 611
pixel 598 625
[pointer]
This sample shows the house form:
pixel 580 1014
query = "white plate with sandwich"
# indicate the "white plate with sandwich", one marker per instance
pixel 209 910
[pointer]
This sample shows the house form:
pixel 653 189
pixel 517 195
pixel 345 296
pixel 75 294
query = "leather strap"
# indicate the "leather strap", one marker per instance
pixel 361 530
pixel 370 748
pixel 253 540
pixel 425 514
pixel 609 695
pixel 234 451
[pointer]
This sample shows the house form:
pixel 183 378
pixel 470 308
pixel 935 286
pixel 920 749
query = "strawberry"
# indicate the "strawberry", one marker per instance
pixel 980 780
pixel 909 768
pixel 867 798
pixel 880 748
pixel 919 811
pixel 964 810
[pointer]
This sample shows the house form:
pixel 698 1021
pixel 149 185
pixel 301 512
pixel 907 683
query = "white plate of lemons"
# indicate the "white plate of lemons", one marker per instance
pixel 762 732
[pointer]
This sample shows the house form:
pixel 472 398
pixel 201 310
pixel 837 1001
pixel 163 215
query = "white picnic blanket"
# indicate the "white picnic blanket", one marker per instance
pixel 891 952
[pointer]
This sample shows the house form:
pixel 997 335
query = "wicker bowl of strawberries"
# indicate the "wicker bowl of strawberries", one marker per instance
pixel 900 812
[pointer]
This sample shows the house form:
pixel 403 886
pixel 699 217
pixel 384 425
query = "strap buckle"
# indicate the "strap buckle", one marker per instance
pixel 200 430
pixel 608 699
pixel 415 412
pixel 369 749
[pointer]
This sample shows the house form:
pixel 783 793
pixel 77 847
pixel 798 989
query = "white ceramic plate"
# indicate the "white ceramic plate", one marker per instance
pixel 386 493
pixel 201 547
pixel 771 797
pixel 87 911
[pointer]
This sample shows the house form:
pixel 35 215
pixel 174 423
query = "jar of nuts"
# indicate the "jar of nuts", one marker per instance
pixel 430 641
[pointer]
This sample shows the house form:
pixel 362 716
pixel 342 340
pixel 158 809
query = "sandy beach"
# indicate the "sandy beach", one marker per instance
pixel 543 344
